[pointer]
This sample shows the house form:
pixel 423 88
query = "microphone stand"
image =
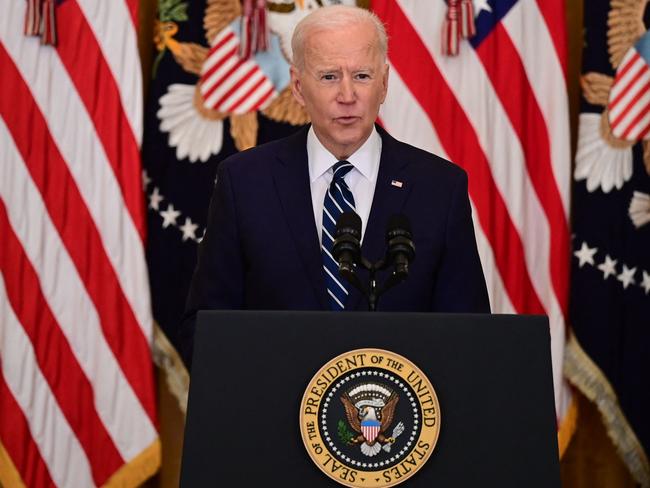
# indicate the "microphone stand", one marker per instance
pixel 374 291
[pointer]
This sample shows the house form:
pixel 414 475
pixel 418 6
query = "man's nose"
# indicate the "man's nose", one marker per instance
pixel 346 91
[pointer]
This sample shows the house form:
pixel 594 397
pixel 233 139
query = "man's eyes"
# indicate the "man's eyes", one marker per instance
pixel 335 77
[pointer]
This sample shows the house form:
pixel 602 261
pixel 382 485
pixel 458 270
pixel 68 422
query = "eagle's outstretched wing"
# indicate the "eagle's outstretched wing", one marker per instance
pixel 218 14
pixel 625 27
pixel 351 413
pixel 388 412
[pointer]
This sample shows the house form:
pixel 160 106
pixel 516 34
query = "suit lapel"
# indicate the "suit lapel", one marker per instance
pixel 291 176
pixel 387 200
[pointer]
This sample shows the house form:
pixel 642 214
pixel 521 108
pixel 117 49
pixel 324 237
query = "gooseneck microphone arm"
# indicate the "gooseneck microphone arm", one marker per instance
pixel 347 252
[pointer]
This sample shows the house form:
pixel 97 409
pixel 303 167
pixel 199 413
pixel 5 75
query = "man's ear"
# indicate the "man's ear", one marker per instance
pixel 296 87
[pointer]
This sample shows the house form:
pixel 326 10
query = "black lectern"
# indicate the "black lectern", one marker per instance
pixel 491 373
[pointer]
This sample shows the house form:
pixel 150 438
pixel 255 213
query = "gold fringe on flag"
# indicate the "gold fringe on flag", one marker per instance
pixel 9 475
pixel 139 469
pixel 132 474
pixel 580 370
pixel 567 427
pixel 169 361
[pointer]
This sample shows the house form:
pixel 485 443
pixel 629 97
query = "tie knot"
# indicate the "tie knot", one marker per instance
pixel 342 168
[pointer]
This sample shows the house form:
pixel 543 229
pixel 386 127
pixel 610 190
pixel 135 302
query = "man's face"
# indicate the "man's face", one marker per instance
pixel 341 85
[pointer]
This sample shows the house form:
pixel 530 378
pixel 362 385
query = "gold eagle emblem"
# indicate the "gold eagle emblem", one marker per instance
pixel 370 409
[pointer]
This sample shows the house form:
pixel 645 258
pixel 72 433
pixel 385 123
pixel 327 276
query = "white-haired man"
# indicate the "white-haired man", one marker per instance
pixel 269 236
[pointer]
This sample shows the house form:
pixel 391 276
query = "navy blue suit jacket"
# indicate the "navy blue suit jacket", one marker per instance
pixel 261 248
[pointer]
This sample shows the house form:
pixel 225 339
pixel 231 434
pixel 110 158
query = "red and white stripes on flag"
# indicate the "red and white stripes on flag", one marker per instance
pixel 629 98
pixel 76 377
pixel 500 111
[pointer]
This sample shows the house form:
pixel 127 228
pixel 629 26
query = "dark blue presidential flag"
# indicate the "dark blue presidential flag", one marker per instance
pixel 609 356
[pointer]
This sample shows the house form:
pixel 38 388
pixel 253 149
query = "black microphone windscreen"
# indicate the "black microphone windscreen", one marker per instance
pixel 398 222
pixel 349 222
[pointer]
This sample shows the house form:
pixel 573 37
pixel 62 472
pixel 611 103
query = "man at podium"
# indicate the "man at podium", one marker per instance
pixel 268 243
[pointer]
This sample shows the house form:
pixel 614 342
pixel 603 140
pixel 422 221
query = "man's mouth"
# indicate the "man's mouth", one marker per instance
pixel 347 119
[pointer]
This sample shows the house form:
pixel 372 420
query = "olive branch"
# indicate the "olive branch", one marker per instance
pixel 172 10
pixel 169 11
pixel 344 433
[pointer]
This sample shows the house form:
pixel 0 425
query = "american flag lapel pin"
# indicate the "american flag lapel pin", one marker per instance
pixel 397 183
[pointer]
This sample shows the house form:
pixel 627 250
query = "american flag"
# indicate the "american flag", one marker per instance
pixel 499 109
pixel 77 397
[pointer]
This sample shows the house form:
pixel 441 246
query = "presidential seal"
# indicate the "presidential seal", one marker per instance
pixel 369 418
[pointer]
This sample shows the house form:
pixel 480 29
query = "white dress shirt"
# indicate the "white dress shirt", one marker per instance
pixel 361 179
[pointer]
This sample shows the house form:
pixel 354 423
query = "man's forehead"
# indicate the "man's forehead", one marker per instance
pixel 362 54
pixel 325 36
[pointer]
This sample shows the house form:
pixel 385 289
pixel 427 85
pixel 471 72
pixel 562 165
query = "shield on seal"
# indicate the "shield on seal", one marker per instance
pixel 370 429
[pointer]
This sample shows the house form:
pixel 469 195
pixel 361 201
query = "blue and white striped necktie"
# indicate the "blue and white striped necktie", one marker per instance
pixel 338 199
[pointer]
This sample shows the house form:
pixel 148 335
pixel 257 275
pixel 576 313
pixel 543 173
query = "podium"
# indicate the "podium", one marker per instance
pixel 491 373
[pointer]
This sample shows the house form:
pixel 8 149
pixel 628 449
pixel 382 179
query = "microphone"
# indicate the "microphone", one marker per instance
pixel 347 244
pixel 401 250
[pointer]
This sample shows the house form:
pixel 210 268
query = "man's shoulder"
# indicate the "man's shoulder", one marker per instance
pixel 423 162
pixel 259 157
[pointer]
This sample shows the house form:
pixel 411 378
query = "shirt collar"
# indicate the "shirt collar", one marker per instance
pixel 365 159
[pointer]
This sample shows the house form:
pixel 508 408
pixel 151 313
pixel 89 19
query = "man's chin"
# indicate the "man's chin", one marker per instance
pixel 351 130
